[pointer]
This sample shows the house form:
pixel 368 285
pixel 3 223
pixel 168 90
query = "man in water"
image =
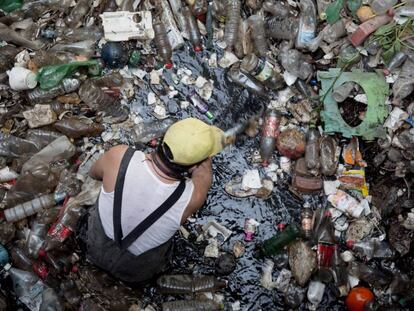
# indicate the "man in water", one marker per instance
pixel 146 197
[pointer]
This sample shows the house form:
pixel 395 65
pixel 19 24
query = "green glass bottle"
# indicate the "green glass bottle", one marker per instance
pixel 275 244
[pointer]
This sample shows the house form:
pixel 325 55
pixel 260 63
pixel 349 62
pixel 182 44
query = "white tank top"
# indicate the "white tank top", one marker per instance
pixel 144 193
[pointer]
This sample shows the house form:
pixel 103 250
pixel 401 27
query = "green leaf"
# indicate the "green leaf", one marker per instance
pixel 397 46
pixel 333 11
pixel 385 30
pixel 388 54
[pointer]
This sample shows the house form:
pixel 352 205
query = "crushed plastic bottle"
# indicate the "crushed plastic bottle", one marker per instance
pixel 404 85
pixel 373 248
pixel 193 30
pixel 146 131
pixel 397 60
pixel 162 44
pixel 293 61
pixel 256 23
pixel 382 6
pixel 275 8
pixel 233 8
pixel 186 284
pixel 75 16
pixel 342 92
pixel 29 208
pixel 312 149
pixel 270 132
pixel 282 27
pixel 75 128
pixel 307 24
pixel 38 95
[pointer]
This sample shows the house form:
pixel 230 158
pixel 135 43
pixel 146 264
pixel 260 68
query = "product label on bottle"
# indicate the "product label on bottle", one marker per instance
pixel 307 224
pixel 264 70
pixel 271 127
pixel 33 297
pixel 306 34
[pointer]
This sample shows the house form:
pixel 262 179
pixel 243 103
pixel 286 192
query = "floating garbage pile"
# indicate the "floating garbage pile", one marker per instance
pixel 311 205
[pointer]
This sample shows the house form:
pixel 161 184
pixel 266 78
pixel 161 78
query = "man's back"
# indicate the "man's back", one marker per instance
pixel 143 193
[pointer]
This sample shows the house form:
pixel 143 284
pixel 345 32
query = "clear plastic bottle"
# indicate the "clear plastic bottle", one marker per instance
pixel 306 216
pixel 209 25
pixel 27 287
pixel 340 93
pixel 163 45
pixel 194 32
pixel 312 149
pixel 9 35
pixel 40 96
pixel 200 104
pixel 42 138
pixel 236 75
pixel 20 259
pixel 50 301
pixel 373 248
pixel 369 274
pixel 270 131
pixel 43 58
pixel 79 34
pixel 233 8
pixel 146 131
pixel 263 71
pixel 12 146
pixel 282 27
pixel 293 61
pixel 167 18
pixel 187 284
pixel 332 33
pixel 36 238
pixel 85 48
pixel 275 8
pixel 316 289
pixel 307 24
pixel 76 15
pixel 177 6
pixel 190 305
pixel 97 100
pixel 59 149
pixel 256 23
pixel 397 60
pixel 382 6
pixel 404 85
pixel 29 208
pixel 76 127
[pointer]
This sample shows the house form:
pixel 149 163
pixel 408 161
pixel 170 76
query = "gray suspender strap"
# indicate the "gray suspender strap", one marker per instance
pixel 124 243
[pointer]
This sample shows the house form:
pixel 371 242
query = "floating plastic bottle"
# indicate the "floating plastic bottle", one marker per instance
pixel 263 71
pixel 97 100
pixel 294 62
pixel 27 287
pixel 307 24
pixel 275 8
pixel 59 149
pixel 282 27
pixel 187 284
pixel 12 146
pixel 236 75
pixel 382 6
pixel 146 131
pixel 162 44
pixel 397 60
pixel 404 85
pixel 312 149
pixel 373 248
pixel 75 128
pixel 190 305
pixel 38 95
pixel 233 8
pixel 256 23
pixel 193 30
pixel 29 208
pixel 306 216
pixel 85 48
pixel 367 28
pixel 36 238
pixel 11 36
pixel 270 131
pixel 200 104
pixel 342 92
pixel 76 15
pixel 275 244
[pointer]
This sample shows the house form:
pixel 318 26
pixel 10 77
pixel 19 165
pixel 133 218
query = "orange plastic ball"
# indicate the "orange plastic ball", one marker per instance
pixel 358 298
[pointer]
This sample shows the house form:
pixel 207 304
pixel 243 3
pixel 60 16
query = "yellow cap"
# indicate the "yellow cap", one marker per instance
pixel 191 141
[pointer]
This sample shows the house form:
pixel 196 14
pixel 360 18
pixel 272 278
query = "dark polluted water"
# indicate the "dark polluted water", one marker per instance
pixel 230 103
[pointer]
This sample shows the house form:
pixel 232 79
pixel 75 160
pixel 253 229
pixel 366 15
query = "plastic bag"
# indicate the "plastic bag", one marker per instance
pixel 51 76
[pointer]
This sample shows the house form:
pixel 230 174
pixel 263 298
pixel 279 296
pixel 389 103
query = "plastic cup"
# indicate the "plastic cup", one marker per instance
pixel 22 79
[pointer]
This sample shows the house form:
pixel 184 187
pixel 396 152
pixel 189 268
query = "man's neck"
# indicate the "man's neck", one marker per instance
pixel 160 170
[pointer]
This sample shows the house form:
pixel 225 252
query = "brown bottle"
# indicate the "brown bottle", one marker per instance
pixel 76 127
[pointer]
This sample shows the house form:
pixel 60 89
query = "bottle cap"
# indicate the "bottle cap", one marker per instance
pixel 281 226
pixel 209 115
pixel 350 244
pixel 169 65
pixel 198 48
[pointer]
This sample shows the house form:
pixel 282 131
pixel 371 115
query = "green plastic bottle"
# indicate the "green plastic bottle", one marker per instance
pixel 275 244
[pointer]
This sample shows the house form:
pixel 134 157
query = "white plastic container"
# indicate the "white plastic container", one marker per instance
pixel 21 79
